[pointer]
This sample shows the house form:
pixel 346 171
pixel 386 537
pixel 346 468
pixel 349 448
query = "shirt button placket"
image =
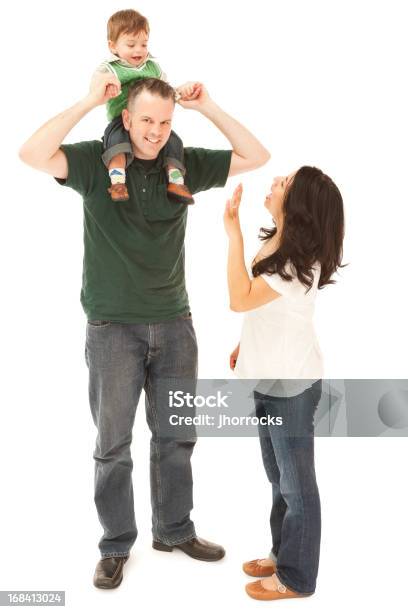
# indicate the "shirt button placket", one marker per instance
pixel 144 194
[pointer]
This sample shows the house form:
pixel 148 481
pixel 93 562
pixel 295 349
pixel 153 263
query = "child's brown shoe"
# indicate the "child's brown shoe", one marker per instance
pixel 255 569
pixel 179 193
pixel 119 192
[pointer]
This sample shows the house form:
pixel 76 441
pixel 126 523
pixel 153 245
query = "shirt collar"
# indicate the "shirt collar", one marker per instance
pixel 156 167
pixel 115 58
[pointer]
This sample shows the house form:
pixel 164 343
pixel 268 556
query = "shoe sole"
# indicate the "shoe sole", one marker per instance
pixel 179 199
pixel 106 587
pixel 167 548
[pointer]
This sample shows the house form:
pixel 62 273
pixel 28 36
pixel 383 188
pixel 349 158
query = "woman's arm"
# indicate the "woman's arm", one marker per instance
pixel 244 293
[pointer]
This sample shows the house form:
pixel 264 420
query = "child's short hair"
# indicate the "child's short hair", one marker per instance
pixel 126 22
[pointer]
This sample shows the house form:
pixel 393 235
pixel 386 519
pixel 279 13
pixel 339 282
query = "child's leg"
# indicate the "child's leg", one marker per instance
pixel 117 172
pixel 174 163
pixel 117 155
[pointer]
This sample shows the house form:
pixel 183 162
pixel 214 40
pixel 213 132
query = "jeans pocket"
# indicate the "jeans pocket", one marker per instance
pixel 99 323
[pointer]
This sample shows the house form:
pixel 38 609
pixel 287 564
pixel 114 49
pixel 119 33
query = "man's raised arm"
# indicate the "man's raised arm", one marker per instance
pixel 42 150
pixel 247 152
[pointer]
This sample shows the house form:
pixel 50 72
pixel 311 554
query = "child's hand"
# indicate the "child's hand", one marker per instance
pixel 189 91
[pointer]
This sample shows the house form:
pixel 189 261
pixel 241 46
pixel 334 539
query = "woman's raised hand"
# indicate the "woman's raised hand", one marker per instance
pixel 231 214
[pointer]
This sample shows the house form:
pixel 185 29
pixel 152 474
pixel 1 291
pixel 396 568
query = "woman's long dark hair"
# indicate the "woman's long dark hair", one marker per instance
pixel 313 230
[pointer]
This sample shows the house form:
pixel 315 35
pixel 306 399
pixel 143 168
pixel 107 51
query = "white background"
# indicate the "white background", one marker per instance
pixel 319 83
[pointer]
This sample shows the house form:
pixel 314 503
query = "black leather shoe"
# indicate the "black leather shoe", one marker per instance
pixel 109 572
pixel 197 548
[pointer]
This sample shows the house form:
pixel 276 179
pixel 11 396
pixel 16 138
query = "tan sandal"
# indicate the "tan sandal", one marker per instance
pixel 257 591
pixel 253 568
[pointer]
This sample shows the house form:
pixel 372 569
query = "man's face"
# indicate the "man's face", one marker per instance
pixel 149 124
pixel 131 48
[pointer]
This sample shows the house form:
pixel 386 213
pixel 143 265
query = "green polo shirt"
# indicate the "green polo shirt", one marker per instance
pixel 133 267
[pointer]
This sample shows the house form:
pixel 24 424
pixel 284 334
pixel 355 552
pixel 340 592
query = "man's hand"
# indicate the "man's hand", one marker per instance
pixel 193 95
pixel 234 357
pixel 247 152
pixel 104 86
pixel 42 150
pixel 112 91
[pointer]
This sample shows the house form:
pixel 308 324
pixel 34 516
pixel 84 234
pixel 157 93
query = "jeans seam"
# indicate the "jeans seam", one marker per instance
pixel 150 342
pixel 293 407
pixel 157 467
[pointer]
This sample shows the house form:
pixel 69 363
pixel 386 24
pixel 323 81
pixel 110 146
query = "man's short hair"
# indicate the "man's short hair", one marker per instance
pixel 156 87
pixel 126 22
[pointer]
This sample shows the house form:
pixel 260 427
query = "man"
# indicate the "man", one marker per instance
pixel 139 329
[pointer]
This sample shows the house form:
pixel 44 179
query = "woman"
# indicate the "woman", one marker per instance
pixel 278 345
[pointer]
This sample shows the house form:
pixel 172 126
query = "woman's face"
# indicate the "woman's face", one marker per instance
pixel 274 200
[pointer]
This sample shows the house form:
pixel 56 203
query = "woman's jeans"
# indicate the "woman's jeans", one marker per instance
pixel 288 457
pixel 123 359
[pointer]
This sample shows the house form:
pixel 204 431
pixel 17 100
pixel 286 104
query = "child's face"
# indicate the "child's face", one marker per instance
pixel 131 48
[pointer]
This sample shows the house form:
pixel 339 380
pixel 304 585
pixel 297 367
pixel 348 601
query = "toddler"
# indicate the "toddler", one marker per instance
pixel 128 35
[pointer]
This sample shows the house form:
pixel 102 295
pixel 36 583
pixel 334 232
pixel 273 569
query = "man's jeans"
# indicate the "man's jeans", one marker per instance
pixel 288 457
pixel 123 359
